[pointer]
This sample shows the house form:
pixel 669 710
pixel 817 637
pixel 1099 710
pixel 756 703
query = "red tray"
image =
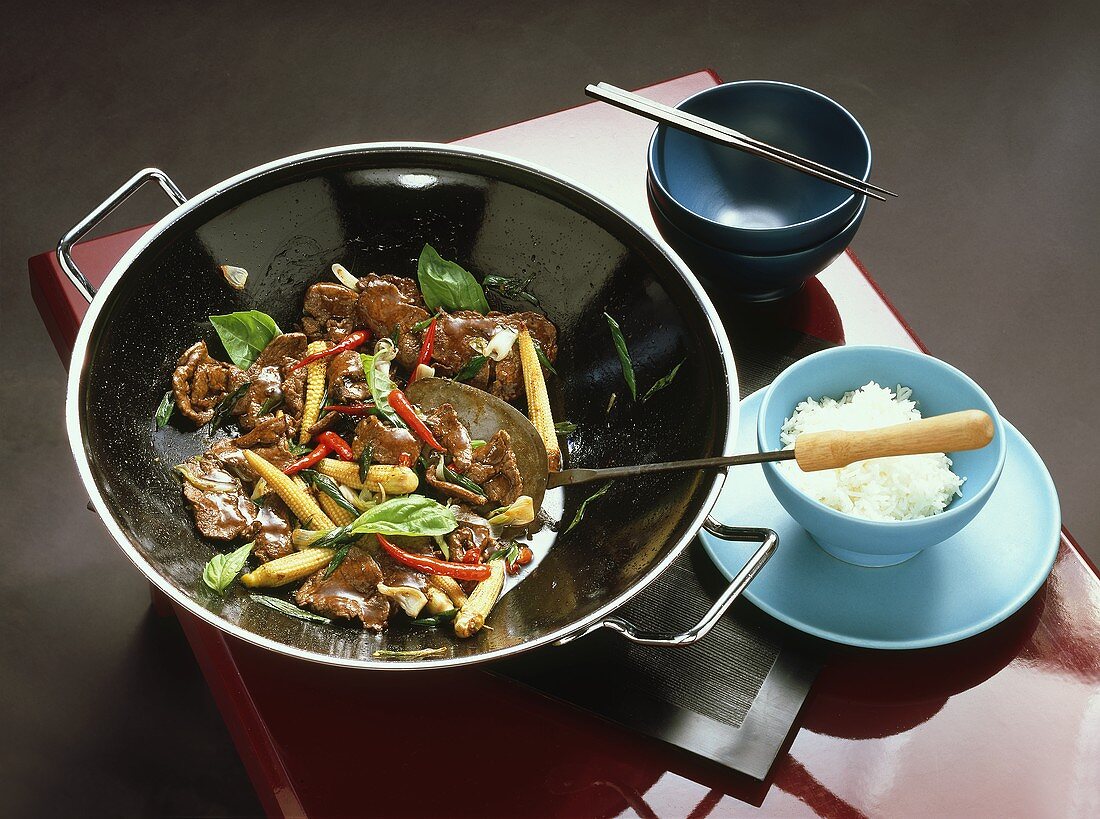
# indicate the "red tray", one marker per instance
pixel 1006 722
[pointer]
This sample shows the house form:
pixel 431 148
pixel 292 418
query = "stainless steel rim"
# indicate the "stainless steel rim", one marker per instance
pixel 79 364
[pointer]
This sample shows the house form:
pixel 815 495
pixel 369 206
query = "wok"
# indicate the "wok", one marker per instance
pixel 372 207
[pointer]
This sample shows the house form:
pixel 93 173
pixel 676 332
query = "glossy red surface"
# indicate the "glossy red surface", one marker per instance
pixel 1007 723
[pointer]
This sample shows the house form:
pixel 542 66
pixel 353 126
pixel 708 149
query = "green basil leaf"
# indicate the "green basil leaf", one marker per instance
pixel 270 404
pixel 288 608
pixel 166 408
pixel 447 284
pixel 244 335
pixel 412 515
pixel 222 569
pixel 584 505
pixel 624 355
pixel 664 381
pixel 564 427
pixel 379 390
pixel 390 654
pixel 472 368
pixel 543 360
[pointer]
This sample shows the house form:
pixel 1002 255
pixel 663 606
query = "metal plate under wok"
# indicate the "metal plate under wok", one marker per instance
pixel 372 207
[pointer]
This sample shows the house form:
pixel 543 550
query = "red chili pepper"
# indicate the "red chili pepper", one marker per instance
pixel 364 409
pixel 405 459
pixel 433 565
pixel 472 556
pixel 337 445
pixel 407 414
pixel 356 339
pixel 523 557
pixel 426 348
pixel 312 459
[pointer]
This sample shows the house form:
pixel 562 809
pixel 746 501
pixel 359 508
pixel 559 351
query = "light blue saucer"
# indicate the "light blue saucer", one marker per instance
pixel 950 591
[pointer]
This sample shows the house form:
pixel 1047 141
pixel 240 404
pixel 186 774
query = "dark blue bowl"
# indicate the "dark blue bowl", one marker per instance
pixel 754 277
pixel 743 203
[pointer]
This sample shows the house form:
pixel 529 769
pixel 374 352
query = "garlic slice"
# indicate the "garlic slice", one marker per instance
pixel 349 281
pixel 501 344
pixel 236 276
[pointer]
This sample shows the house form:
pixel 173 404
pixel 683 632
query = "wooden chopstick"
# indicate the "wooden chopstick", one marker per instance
pixel 714 132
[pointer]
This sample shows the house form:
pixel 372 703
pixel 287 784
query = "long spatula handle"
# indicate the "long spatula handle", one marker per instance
pixel 954 432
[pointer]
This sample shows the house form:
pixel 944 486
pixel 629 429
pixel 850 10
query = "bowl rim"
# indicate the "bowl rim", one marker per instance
pixel 661 129
pixel 852 225
pixel 932 521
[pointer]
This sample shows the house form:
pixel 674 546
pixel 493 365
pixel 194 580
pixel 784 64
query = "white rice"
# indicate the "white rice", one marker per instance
pixel 899 488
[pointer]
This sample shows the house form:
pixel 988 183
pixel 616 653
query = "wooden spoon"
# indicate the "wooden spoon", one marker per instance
pixel 484 414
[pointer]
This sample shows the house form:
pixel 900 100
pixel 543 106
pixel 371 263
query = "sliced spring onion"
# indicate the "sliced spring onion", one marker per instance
pixel 501 344
pixel 510 288
pixel 324 483
pixel 436 619
pixel 205 484
pixel 225 406
pixel 337 560
pixel 542 357
pixel 564 427
pixel 624 355
pixel 237 277
pixel 270 404
pixel 663 381
pixel 389 654
pixel 584 505
pixel 344 277
pixel 472 368
pixel 287 608
pixel 364 462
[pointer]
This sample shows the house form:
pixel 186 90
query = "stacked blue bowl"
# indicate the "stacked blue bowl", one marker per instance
pixel 747 225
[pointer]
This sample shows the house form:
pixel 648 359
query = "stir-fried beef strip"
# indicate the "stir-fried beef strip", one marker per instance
pixel 472 532
pixel 388 303
pixel 220 515
pixel 452 435
pixel 270 440
pixel 200 383
pixel 389 445
pixel 271 379
pixel 350 592
pixel 330 312
pixel 347 383
pixel 272 539
pixel 494 470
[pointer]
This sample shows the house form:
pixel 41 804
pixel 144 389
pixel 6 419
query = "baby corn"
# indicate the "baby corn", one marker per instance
pixel 299 501
pixel 337 513
pixel 315 390
pixel 287 569
pixel 449 586
pixel 538 402
pixel 471 617
pixel 393 480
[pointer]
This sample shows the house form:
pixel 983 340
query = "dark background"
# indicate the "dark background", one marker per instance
pixel 983 115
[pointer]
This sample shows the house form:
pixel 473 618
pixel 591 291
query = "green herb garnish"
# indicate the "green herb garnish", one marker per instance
pixel 271 403
pixel 543 360
pixel 222 569
pixel 507 553
pixel 389 654
pixel 584 505
pixel 380 390
pixel 624 355
pixel 298 449
pixel 564 427
pixel 244 335
pixel 364 462
pixel 166 408
pixel 447 284
pixel 423 323
pixel 514 289
pixel 327 485
pixel 477 443
pixel 337 559
pixel 472 368
pixel 451 476
pixel 664 381
pixel 288 608
pixel 435 620
pixel 225 407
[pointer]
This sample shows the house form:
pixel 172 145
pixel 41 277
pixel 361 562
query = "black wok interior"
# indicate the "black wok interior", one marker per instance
pixel 373 211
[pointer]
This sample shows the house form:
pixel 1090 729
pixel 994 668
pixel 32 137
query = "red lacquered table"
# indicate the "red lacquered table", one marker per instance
pixel 1007 723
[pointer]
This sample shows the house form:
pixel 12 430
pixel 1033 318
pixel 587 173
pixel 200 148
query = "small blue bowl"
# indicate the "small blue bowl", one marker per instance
pixel 938 388
pixel 743 203
pixel 755 278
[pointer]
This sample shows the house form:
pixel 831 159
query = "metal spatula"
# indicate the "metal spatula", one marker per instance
pixel 483 414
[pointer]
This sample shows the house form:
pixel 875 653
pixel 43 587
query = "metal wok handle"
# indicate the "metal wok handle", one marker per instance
pixel 65 246
pixel 768 542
